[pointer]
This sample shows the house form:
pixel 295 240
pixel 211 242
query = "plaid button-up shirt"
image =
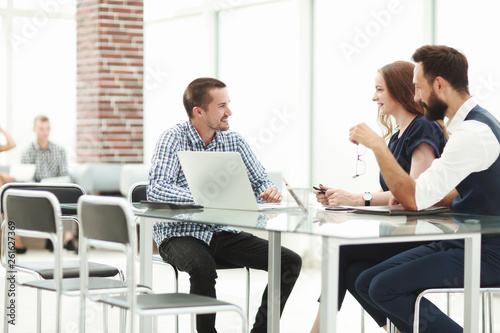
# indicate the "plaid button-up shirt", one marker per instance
pixel 50 162
pixel 167 181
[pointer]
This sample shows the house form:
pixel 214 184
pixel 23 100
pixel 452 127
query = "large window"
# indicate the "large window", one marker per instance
pixel 38 68
pixel 471 30
pixel 352 42
pixel 259 61
pixel 261 49
pixel 46 8
pixel 172 60
pixel 44 80
pixel 162 9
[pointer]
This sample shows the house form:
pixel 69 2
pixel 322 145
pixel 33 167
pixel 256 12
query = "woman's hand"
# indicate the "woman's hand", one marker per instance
pixel 363 134
pixel 338 197
pixel 320 196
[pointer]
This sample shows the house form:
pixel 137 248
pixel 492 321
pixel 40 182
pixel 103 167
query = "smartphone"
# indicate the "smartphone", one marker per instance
pixel 319 189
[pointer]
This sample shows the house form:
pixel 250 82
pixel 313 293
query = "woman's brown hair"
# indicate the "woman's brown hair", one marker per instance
pixel 398 77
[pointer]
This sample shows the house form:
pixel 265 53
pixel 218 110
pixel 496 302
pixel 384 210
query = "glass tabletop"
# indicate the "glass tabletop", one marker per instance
pixel 330 223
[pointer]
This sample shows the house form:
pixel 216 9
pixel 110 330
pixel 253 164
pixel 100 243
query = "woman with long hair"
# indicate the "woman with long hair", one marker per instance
pixel 415 142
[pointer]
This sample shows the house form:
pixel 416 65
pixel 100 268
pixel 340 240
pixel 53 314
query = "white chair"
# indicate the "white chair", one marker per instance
pixel 487 318
pixel 109 223
pixel 137 192
pixel 43 219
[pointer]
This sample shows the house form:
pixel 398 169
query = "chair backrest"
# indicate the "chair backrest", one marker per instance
pixel 107 222
pixel 138 192
pixel 65 193
pixel 106 219
pixel 35 214
pixel 32 210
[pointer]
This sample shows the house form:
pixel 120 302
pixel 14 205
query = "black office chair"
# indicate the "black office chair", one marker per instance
pixel 138 192
pixel 109 222
pixel 67 193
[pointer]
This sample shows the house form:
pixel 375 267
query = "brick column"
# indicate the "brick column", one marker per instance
pixel 109 81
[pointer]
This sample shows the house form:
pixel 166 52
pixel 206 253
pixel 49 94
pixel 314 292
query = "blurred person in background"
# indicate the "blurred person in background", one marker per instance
pixel 5 177
pixel 51 162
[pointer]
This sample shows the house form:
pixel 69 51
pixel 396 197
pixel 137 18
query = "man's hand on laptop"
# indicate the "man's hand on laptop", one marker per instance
pixel 271 195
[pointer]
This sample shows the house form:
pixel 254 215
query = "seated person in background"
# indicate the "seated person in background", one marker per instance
pixel 415 144
pixel 4 176
pixel 50 160
pixel 196 248
pixel 469 165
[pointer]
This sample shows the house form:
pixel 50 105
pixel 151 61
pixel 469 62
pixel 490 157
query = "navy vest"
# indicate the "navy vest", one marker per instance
pixel 479 193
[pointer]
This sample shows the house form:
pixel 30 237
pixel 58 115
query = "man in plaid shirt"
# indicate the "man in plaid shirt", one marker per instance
pixel 50 159
pixel 198 248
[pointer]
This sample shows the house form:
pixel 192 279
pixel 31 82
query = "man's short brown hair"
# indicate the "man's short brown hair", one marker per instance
pixel 197 93
pixel 444 61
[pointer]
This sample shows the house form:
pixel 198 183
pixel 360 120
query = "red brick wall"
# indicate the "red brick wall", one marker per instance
pixel 109 81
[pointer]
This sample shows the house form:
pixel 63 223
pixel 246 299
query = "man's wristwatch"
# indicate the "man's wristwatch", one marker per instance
pixel 368 198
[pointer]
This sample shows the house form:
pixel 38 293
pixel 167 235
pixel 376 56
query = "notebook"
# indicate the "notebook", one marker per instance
pixel 220 180
pixel 389 210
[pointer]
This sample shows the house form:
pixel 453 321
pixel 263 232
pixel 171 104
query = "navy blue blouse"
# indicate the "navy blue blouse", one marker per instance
pixel 419 131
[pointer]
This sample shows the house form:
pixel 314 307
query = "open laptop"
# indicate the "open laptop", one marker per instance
pixel 220 180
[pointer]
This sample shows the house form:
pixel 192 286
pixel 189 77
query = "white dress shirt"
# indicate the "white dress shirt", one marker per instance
pixel 472 147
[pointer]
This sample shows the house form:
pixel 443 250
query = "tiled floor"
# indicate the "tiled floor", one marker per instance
pixel 297 317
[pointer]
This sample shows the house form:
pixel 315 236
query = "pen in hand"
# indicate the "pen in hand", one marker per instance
pixel 319 189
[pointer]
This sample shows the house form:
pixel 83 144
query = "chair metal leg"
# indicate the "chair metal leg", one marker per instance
pixel 490 308
pixel 39 310
pixel 248 296
pixel 416 316
pixel 176 288
pixel 58 309
pixel 83 312
pixel 362 320
pixel 391 328
pixel 487 312
pixel 484 315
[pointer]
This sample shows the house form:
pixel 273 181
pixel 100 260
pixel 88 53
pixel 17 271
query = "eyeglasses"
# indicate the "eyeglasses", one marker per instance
pixel 360 164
